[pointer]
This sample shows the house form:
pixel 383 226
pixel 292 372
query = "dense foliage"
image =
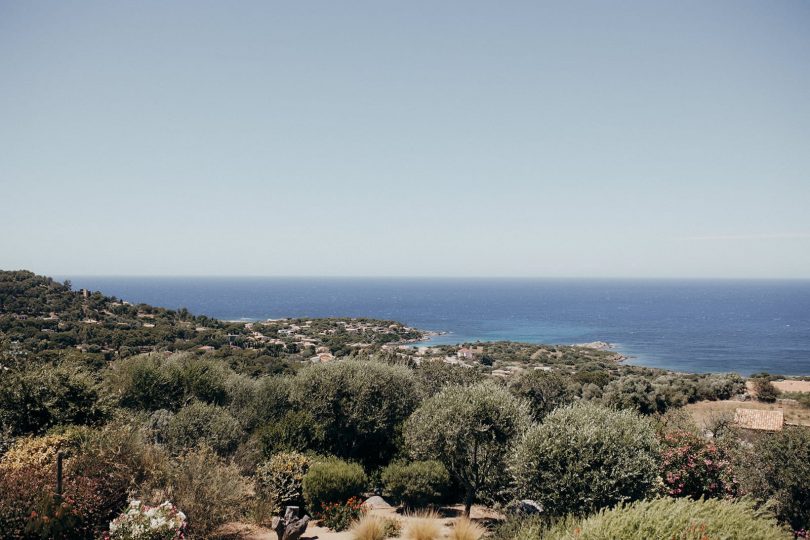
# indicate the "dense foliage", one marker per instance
pixel 683 519
pixel 469 430
pixel 777 470
pixel 359 406
pixel 585 457
pixel 416 484
pixel 332 481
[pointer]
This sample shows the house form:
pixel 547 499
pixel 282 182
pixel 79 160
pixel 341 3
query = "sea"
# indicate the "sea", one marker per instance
pixel 693 326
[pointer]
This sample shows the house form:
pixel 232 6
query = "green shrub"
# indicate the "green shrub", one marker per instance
pixel 202 423
pixel 469 430
pixel 765 390
pixel 435 375
pixel 359 406
pixel 777 469
pixel 585 457
pixel 692 466
pixel 143 382
pixel 682 519
pixel 416 484
pixel 634 392
pixel 37 398
pixel 295 431
pixel 279 481
pixel 207 489
pixel 332 481
pixel 543 390
pixel 340 515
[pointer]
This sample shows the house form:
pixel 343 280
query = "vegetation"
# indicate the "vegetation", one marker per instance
pixel 234 421
pixel 683 519
pixel 359 407
pixel 554 462
pixel 422 525
pixel 416 484
pixel 469 430
pixel 332 481
pixel 777 470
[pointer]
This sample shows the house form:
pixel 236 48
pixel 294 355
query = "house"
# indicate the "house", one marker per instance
pixel 759 420
pixel 469 353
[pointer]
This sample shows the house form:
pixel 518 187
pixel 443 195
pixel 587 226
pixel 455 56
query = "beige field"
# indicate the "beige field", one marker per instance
pixel 793 386
pixel 704 411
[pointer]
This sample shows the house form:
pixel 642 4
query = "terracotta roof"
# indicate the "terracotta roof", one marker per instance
pixel 757 419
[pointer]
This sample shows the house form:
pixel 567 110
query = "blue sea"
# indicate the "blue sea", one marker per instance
pixel 696 326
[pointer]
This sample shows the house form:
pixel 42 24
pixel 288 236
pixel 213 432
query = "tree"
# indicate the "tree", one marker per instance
pixel 634 392
pixel 359 406
pixel 543 390
pixel 765 390
pixel 777 469
pixel 584 457
pixel 469 430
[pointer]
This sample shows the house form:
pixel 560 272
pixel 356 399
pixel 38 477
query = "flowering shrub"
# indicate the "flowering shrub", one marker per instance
pixel 692 466
pixel 279 480
pixel 142 522
pixel 338 516
pixel 56 518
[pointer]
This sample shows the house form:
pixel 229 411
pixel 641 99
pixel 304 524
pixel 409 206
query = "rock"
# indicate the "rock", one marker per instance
pixel 377 503
pixel 529 507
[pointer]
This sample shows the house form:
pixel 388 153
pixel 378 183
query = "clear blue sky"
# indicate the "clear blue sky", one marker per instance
pixel 414 138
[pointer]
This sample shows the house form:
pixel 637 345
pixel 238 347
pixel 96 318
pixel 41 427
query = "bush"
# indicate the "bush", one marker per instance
pixel 777 469
pixel 202 423
pixel 543 390
pixel 153 381
pixel 209 490
pixel 295 431
pixel 585 457
pixel 340 515
pixel 634 392
pixel 372 527
pixel 765 390
pixel 684 519
pixel 692 466
pixel 144 382
pixel 466 529
pixel 469 430
pixel 332 481
pixel 359 406
pixel 416 484
pixel 279 481
pixel 435 375
pixel 41 397
pixel 143 522
pixel 422 526
pixel 20 490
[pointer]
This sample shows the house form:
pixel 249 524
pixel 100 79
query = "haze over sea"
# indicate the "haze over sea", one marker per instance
pixel 696 325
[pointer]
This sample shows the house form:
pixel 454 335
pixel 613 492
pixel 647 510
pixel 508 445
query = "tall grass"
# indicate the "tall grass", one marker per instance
pixel 423 525
pixel 466 529
pixel 372 527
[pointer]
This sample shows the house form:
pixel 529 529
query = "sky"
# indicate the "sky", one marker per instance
pixel 419 138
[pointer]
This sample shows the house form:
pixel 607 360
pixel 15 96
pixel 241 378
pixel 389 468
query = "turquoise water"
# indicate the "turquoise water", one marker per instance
pixel 699 326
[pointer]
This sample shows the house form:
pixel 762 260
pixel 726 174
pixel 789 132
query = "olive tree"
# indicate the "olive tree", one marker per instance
pixel 358 406
pixel 543 390
pixel 584 457
pixel 469 430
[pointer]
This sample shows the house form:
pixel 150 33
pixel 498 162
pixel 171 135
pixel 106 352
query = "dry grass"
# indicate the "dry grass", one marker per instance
pixel 369 527
pixel 466 529
pixel 422 526
pixel 704 411
pixel 792 386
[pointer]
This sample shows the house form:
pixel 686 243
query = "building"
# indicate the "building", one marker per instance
pixel 759 420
